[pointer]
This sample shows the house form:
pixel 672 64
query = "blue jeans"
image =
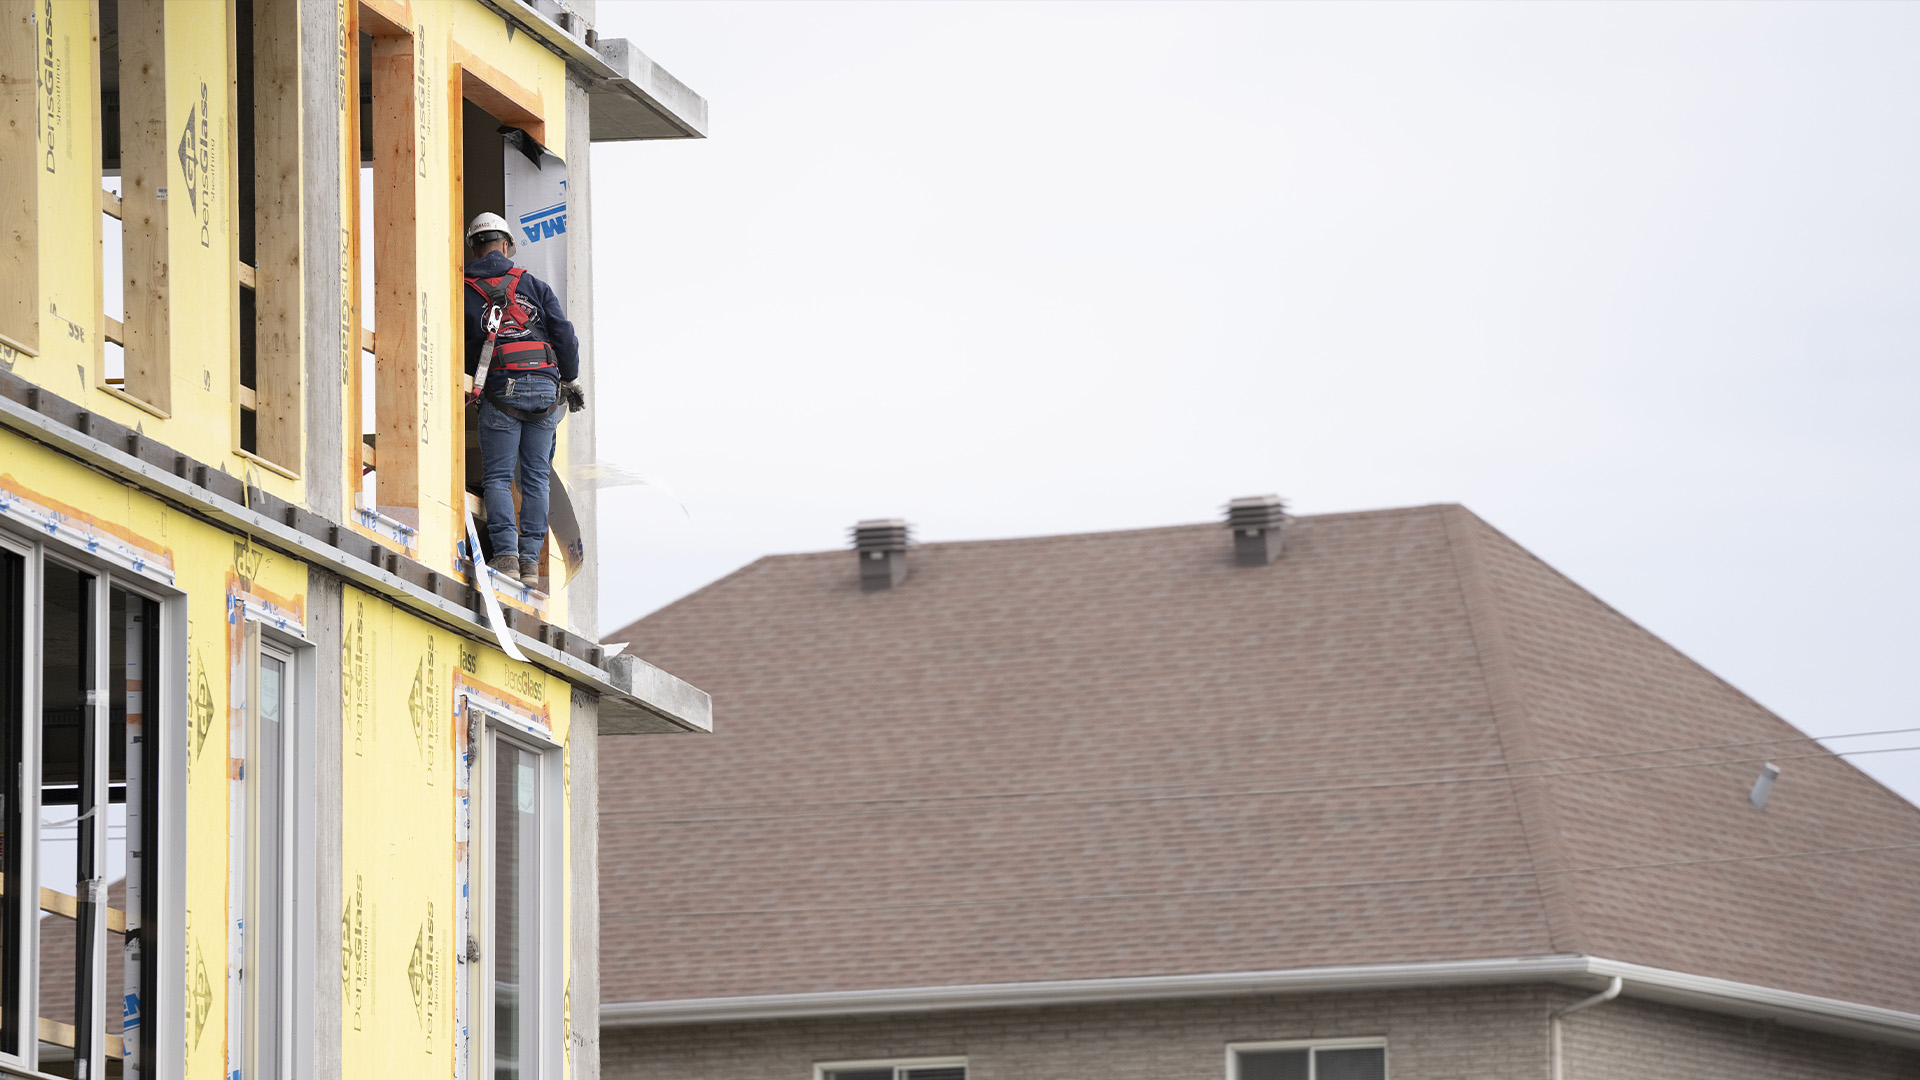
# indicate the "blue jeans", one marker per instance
pixel 506 442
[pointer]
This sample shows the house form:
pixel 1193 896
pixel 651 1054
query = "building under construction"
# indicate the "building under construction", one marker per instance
pixel 297 787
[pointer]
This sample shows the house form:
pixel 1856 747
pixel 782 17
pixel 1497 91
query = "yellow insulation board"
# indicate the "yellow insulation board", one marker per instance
pixel 402 732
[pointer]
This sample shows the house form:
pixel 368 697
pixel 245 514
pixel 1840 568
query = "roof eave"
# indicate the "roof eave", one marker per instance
pixel 1723 996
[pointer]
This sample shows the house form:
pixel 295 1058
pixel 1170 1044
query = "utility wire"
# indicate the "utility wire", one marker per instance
pixel 1085 898
pixel 888 811
pixel 1488 764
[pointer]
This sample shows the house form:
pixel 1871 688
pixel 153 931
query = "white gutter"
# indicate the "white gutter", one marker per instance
pixel 1559 1056
pixel 1641 983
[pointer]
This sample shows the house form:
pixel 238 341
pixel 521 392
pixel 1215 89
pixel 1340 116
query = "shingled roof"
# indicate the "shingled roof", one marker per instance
pixel 1119 754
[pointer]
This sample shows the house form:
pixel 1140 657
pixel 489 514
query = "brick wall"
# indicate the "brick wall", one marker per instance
pixel 1489 1033
pixel 1632 1040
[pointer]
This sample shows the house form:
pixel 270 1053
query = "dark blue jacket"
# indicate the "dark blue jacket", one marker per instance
pixel 553 326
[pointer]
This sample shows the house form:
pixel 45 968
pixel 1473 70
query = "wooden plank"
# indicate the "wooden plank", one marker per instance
pixel 491 89
pixel 116 331
pixel 250 401
pixel 59 1034
pixel 386 18
pixel 367 341
pixel 277 231
pixel 54 902
pixel 144 153
pixel 110 204
pixel 249 277
pixel 19 180
pixel 397 398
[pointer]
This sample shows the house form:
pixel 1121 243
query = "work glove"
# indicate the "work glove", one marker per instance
pixel 576 397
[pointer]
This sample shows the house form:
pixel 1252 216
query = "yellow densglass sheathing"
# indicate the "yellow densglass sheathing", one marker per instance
pixel 220 573
pixel 200 200
pixel 400 739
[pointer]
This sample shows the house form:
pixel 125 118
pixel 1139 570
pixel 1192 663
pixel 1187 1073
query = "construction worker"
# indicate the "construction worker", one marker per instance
pixel 523 357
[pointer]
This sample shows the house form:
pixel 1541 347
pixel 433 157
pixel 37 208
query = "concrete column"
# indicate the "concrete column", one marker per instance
pixel 322 1043
pixel 583 884
pixel 583 593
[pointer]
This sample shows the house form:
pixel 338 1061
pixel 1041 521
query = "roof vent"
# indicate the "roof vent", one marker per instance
pixel 881 544
pixel 1256 521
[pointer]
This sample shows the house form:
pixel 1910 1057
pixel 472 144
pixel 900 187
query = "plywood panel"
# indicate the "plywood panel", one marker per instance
pixel 143 157
pixel 396 271
pixel 277 232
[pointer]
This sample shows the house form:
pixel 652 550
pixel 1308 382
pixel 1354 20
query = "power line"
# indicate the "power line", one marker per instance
pixel 1037 793
pixel 1085 898
pixel 889 811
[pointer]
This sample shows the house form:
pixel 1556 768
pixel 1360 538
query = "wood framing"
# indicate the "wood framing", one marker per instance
pixel 20 167
pixel 278 227
pixel 396 271
pixel 144 153
pixel 490 88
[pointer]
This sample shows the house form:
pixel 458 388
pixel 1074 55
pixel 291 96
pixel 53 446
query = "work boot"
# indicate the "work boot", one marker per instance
pixel 530 573
pixel 507 566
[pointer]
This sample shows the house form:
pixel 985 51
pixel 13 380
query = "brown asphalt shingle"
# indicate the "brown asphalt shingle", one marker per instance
pixel 1119 754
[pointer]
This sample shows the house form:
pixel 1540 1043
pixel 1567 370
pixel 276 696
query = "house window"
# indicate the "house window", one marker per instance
pixel 79 682
pixel 20 169
pixel 264 870
pixel 523 872
pixel 904 1069
pixel 1322 1059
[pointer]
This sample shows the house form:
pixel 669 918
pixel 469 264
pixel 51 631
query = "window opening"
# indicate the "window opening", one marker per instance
pixel 268 855
pixel 267 218
pixel 144 149
pixel 389 383
pixel 67 843
pixel 1308 1062
pixel 245 212
pixel 13 655
pixel 483 189
pixel 919 1069
pixel 113 242
pixel 516 909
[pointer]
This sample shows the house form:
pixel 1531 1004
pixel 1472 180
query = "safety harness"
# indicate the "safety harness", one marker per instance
pixel 511 338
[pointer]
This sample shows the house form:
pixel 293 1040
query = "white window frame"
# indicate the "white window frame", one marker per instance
pixel 1234 1050
pixel 163 926
pixel 821 1069
pixel 549 983
pixel 269 1049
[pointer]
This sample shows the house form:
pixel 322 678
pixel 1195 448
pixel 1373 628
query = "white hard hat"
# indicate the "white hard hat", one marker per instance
pixel 489 223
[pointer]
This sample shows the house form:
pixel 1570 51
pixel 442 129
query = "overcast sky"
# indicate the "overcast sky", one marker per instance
pixel 1637 283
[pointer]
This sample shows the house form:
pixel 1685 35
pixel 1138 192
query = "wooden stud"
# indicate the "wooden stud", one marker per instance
pixel 20 168
pixel 395 269
pixel 144 153
pixel 490 88
pixel 277 230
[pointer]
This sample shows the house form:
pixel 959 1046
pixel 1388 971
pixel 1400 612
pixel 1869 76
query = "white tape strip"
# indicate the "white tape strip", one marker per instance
pixel 483 577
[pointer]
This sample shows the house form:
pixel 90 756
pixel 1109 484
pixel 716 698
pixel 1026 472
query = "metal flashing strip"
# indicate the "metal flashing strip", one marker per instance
pixel 86 537
pixel 1650 984
pixel 266 613
pixel 686 708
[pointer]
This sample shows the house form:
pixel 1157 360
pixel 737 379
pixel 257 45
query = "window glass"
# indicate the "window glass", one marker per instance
pixel 1273 1064
pixel 516 914
pixel 133 654
pixel 266 932
pixel 1364 1063
pixel 66 841
pixel 12 748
